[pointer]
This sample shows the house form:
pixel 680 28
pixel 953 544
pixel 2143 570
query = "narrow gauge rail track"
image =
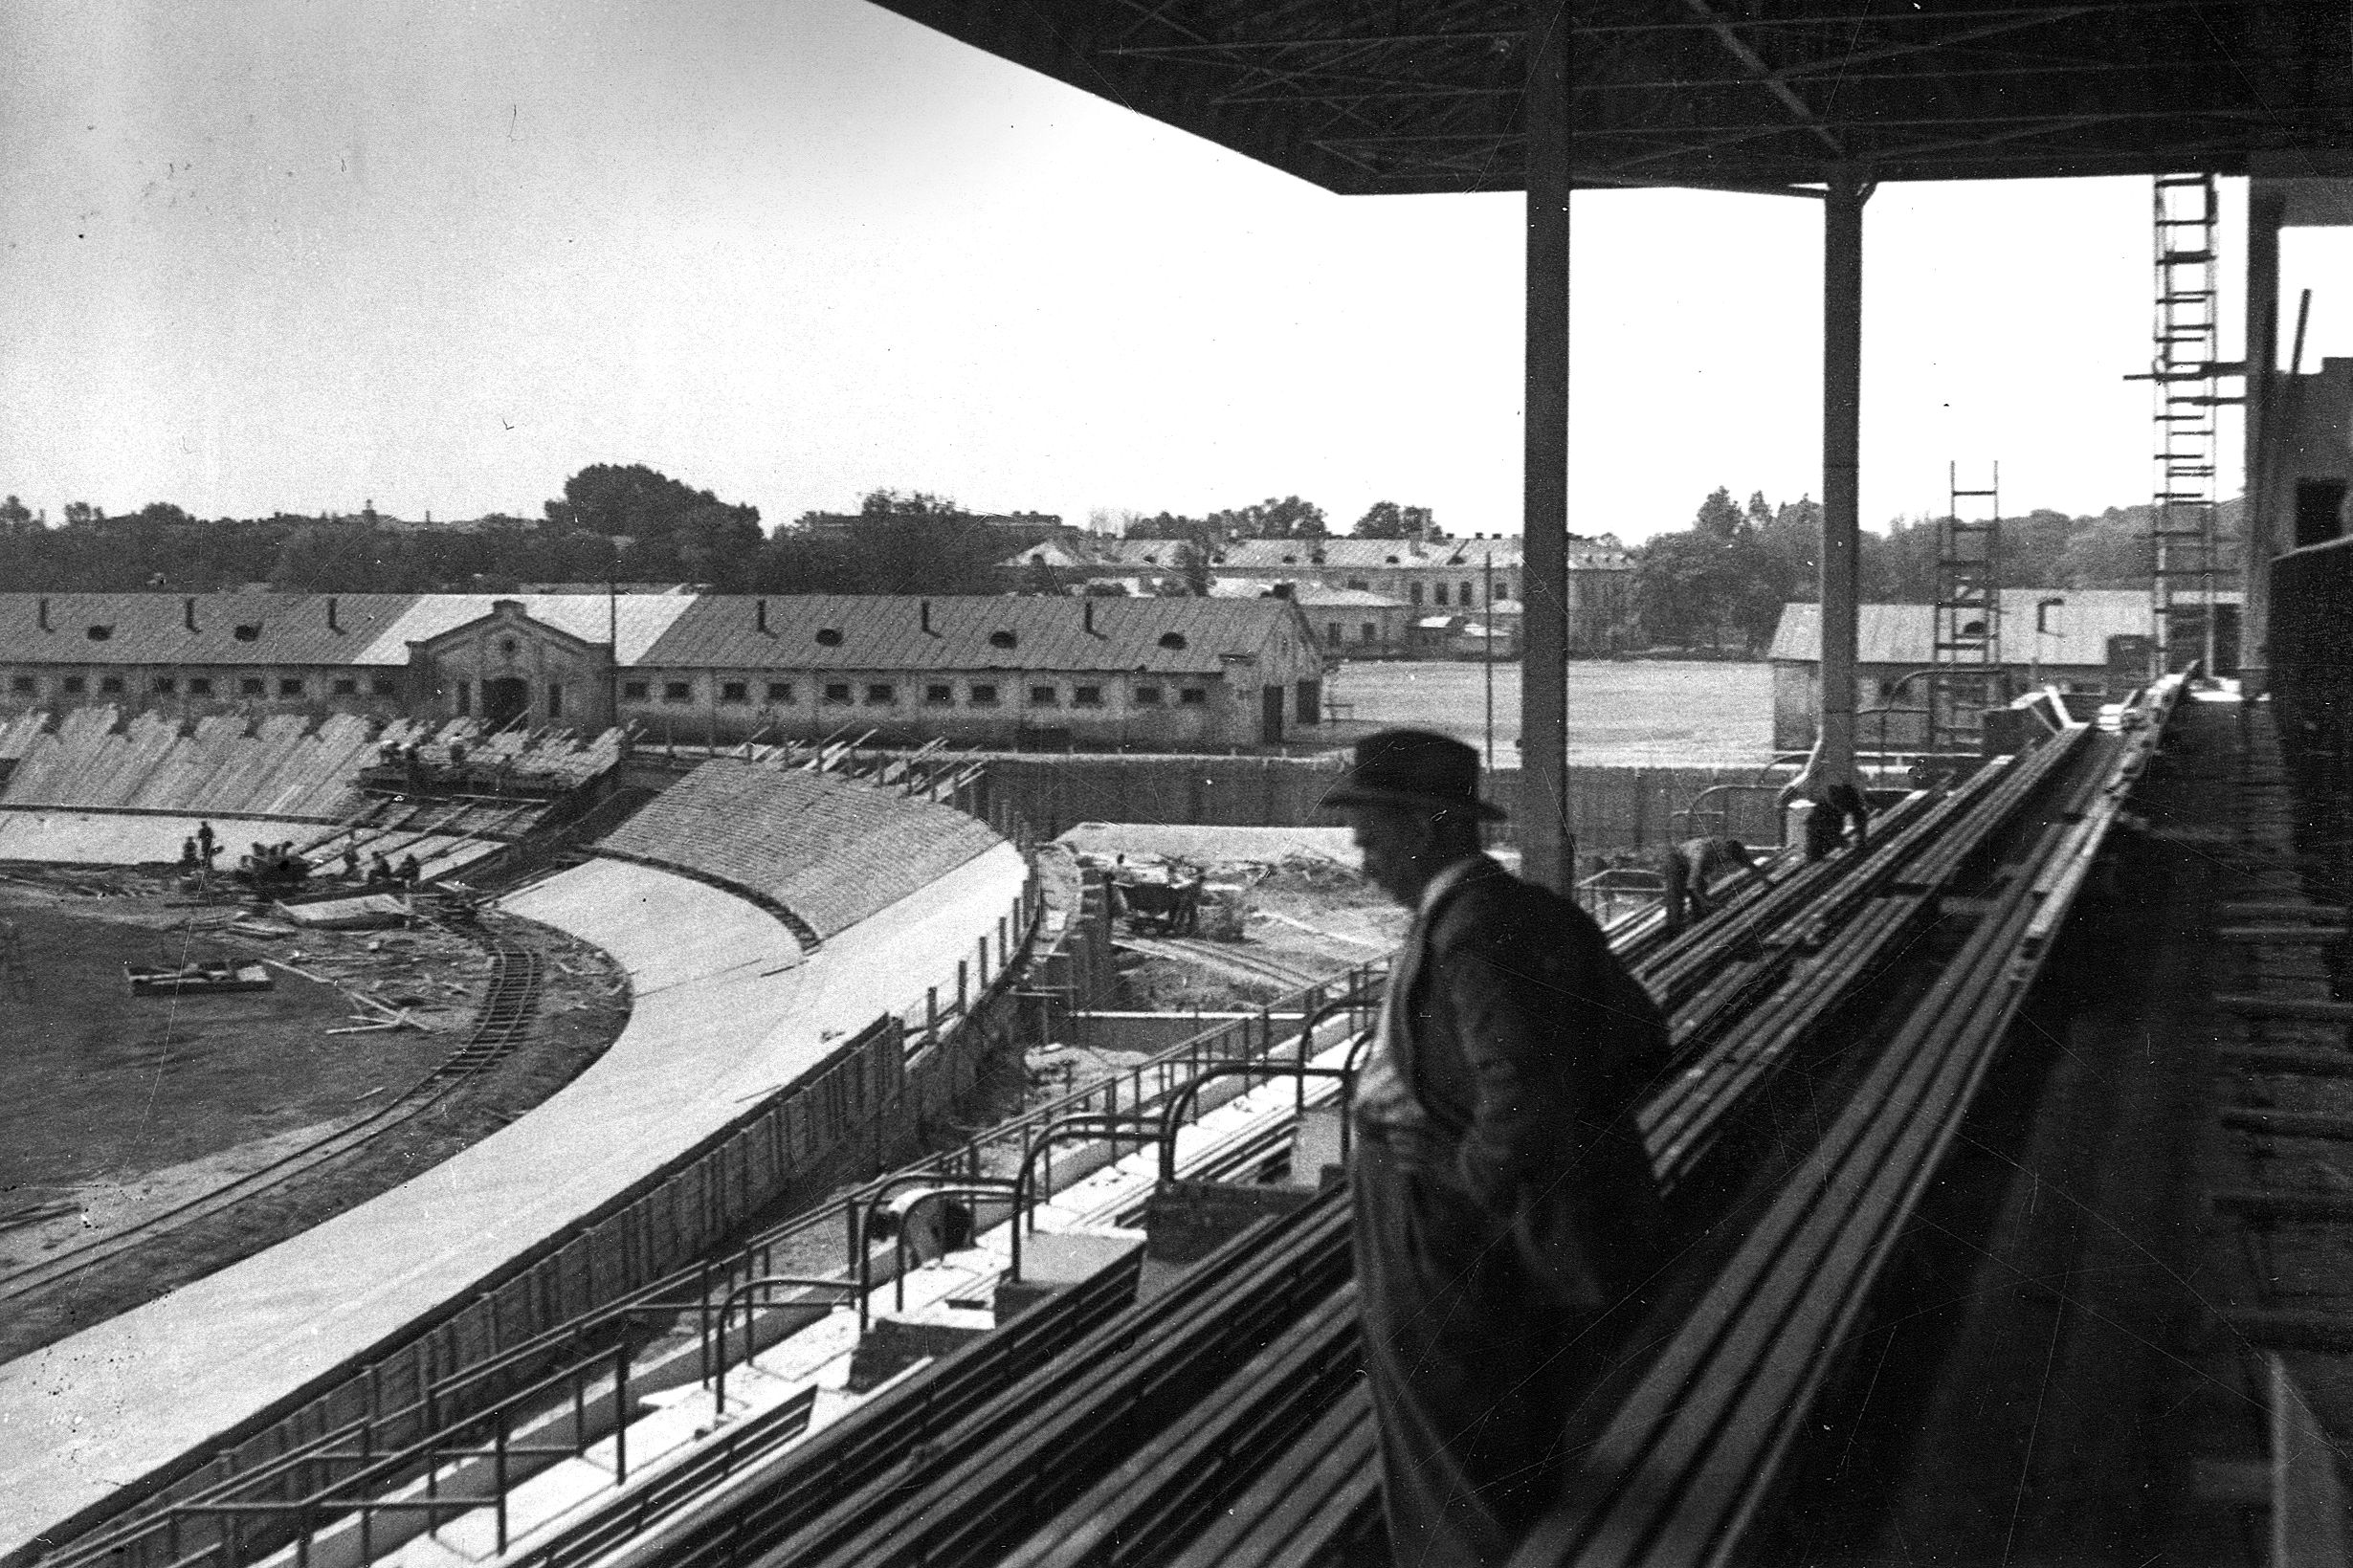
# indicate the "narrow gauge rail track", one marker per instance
pixel 505 1015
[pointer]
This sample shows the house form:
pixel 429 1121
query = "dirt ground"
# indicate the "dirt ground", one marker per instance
pixel 115 1108
pixel 1309 913
pixel 1622 712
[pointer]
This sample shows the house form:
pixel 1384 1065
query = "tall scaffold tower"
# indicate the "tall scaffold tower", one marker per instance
pixel 1966 677
pixel 2185 367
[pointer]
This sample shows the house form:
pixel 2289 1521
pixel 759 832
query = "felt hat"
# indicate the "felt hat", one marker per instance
pixel 1412 767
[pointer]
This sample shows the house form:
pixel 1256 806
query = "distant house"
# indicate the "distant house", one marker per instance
pixel 2067 637
pixel 1351 623
pixel 1427 577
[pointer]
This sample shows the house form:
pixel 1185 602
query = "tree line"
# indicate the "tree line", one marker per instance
pixel 1720 583
pixel 612 522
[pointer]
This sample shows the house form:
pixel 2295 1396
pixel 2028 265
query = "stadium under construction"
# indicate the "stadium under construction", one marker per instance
pixel 2006 1213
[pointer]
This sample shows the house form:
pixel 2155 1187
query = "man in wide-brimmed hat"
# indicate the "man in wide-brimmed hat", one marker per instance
pixel 1503 1201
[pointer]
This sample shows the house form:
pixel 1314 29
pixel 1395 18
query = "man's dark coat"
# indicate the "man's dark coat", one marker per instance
pixel 1490 1235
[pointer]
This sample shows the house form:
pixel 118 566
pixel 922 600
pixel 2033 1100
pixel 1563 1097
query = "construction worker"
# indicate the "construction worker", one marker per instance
pixel 409 870
pixel 1691 866
pixel 379 870
pixel 205 845
pixel 1826 824
pixel 189 858
pixel 351 863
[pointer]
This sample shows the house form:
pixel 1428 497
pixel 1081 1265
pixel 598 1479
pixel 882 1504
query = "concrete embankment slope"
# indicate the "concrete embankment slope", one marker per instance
pixel 726 1007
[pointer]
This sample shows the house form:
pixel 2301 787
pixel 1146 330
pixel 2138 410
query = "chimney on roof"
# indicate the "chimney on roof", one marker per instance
pixel 188 611
pixel 333 623
pixel 760 614
pixel 44 612
pixel 926 616
pixel 1087 609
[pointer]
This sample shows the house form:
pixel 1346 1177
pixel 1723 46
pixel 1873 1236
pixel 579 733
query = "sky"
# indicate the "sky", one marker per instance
pixel 303 255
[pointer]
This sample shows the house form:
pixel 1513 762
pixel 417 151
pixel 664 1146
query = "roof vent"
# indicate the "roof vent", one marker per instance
pixel 1390 559
pixel 1002 639
pixel 99 634
pixel 829 636
pixel 249 632
pixel 1172 640
pixel 1291 561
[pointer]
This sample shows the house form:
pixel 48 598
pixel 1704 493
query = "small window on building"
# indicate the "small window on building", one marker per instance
pixel 247 633
pixel 1043 697
pixel 677 691
pixel 1414 590
pixel 939 696
pixel 347 687
pixel 99 634
pixel 249 686
pixel 465 697
pixel 880 694
pixel 1173 640
pixel 21 685
pixel 555 699
pixel 829 636
pixel 384 686
pixel 1368 632
pixel 735 690
pixel 984 695
pixel 1192 695
pixel 1466 593
pixel 1002 639
pixel 1147 697
pixel 1437 593
pixel 1331 632
pixel 291 686
pixel 1360 584
pixel 837 692
pixel 164 686
pixel 636 691
pixel 1087 696
pixel 200 685
pixel 75 685
pixel 112 685
pixel 780 691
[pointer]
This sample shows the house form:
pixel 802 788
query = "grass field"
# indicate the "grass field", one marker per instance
pixel 1623 713
pixel 98 1082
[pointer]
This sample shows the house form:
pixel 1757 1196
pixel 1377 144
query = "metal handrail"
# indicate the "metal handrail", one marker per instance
pixel 671 1294
pixel 1112 1125
pixel 974 1187
pixel 1172 1115
pixel 719 1380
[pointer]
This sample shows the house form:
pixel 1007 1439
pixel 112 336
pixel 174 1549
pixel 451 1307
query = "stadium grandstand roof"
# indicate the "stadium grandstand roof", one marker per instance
pixel 1757 95
pixel 1170 636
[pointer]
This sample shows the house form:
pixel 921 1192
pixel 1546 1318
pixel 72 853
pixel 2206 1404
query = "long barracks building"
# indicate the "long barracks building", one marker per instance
pixel 1171 674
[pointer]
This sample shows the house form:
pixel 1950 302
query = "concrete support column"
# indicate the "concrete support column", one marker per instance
pixel 2266 209
pixel 1842 412
pixel 1547 849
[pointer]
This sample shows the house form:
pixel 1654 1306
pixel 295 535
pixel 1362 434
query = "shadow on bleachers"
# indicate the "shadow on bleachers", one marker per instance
pixel 831 851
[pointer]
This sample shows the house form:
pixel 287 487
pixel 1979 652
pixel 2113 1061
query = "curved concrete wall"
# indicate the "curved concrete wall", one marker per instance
pixel 727 1008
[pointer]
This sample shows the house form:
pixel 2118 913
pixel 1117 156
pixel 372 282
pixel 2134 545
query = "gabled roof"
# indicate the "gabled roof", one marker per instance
pixel 1306 595
pixel 2077 631
pixel 642 619
pixel 231 628
pixel 1171 637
